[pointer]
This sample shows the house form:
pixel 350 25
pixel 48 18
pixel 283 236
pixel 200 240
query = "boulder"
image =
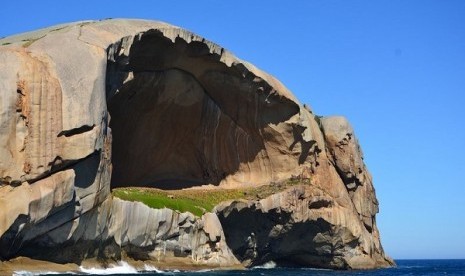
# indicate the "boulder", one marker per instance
pixel 95 105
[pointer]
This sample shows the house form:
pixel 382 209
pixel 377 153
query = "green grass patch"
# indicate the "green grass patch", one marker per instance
pixel 198 201
pixel 29 41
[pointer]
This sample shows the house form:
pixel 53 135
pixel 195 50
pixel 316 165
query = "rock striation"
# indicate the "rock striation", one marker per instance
pixel 90 106
pixel 119 228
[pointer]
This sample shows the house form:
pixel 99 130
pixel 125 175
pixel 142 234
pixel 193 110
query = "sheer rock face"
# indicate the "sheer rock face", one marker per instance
pixel 346 155
pixel 184 112
pixel 118 228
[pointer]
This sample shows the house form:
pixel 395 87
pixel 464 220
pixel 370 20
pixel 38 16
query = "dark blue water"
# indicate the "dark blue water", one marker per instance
pixel 404 267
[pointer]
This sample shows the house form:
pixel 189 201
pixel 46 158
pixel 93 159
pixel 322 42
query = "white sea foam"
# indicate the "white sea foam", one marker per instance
pixel 29 273
pixel 268 265
pixel 152 269
pixel 121 268
pixel 201 270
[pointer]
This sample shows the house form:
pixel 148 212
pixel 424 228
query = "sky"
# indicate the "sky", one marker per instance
pixel 394 68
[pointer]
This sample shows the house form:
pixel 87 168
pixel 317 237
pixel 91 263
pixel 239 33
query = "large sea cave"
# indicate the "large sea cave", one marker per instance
pixel 180 117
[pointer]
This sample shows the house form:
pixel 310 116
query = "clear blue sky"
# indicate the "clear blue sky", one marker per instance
pixel 395 68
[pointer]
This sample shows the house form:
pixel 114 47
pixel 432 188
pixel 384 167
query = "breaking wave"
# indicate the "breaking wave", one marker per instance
pixel 121 268
pixel 151 268
pixel 268 265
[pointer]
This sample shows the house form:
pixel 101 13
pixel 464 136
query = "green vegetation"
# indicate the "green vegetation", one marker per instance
pixel 318 120
pixel 29 41
pixel 194 201
pixel 57 29
pixel 198 201
pixel 6 43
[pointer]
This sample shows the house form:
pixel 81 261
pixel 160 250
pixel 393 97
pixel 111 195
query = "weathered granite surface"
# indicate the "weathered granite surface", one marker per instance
pixel 92 105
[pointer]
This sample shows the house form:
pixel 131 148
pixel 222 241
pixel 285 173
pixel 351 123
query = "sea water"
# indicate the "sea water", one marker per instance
pixel 404 267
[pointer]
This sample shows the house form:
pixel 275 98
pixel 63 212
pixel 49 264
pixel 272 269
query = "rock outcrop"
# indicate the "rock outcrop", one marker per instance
pixel 301 226
pixel 90 106
pixel 117 228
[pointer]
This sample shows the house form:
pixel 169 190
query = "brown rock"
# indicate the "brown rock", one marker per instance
pixel 184 112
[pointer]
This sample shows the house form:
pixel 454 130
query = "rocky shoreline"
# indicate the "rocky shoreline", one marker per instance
pixel 37 266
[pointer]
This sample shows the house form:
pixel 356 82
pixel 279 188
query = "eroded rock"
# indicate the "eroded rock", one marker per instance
pixel 92 105
pixel 179 92
pixel 121 228
pixel 300 226
pixel 347 157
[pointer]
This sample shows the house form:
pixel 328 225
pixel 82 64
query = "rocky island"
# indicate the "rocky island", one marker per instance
pixel 140 141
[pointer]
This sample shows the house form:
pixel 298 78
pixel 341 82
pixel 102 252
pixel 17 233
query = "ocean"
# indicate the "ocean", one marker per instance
pixel 404 267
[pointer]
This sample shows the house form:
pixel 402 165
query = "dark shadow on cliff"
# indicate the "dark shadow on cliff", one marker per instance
pixel 274 236
pixel 11 240
pixel 31 239
pixel 86 170
pixel 180 117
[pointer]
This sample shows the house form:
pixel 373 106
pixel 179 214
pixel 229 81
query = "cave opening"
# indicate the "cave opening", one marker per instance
pixel 180 117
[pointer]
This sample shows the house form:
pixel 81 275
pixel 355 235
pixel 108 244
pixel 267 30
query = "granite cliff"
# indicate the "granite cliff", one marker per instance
pixel 91 106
